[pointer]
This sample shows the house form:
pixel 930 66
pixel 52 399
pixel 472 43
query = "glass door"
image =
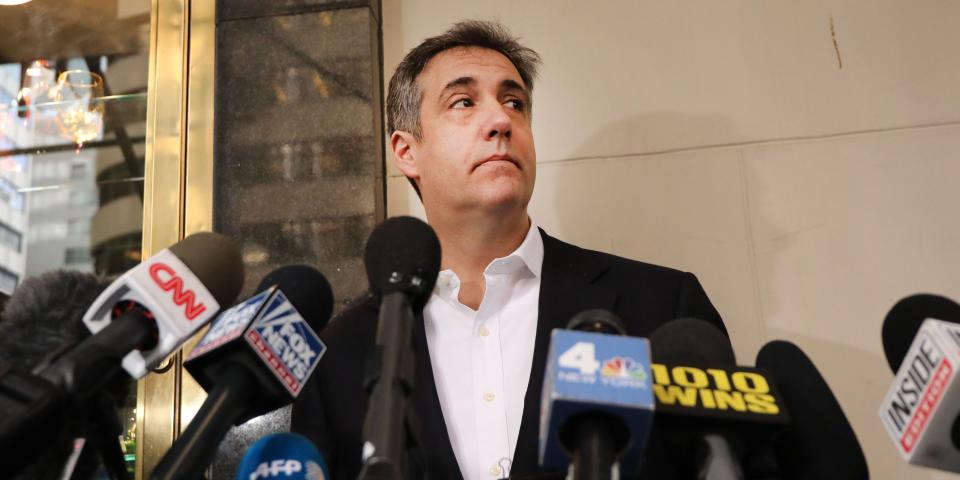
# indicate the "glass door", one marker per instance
pixel 73 110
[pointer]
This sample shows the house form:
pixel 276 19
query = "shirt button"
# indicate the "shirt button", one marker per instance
pixel 484 332
pixel 488 397
pixel 495 470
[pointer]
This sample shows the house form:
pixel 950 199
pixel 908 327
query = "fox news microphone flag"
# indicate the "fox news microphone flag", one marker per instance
pixel 596 384
pixel 256 358
pixel 283 456
pixel 920 411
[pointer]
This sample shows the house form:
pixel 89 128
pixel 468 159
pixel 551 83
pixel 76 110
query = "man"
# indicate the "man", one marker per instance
pixel 459 109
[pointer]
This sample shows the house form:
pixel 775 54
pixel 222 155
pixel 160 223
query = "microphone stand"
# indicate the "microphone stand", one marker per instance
pixel 389 382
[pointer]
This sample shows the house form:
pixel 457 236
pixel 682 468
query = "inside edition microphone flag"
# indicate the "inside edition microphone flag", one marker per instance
pixel 922 405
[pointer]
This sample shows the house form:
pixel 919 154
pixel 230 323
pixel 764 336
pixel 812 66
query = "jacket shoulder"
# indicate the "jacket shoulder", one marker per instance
pixel 652 292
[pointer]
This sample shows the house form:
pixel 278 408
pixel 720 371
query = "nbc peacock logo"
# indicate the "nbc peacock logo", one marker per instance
pixel 623 367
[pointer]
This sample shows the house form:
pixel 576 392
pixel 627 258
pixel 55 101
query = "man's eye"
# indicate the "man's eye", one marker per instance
pixel 516 104
pixel 463 103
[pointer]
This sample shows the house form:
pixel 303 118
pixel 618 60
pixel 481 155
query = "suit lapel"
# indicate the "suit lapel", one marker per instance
pixel 566 288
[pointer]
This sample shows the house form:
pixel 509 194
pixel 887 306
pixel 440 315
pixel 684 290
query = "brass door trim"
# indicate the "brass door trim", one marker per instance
pixel 198 180
pixel 178 167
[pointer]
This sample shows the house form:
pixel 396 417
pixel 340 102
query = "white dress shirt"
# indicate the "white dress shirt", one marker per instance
pixel 481 359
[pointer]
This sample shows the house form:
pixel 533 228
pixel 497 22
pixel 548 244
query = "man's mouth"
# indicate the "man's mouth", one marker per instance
pixel 501 157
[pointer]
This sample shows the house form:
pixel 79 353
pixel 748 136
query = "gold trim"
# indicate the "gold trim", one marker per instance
pixel 199 174
pixel 198 206
pixel 181 57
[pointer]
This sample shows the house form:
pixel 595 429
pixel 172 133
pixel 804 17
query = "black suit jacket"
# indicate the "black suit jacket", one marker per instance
pixel 331 408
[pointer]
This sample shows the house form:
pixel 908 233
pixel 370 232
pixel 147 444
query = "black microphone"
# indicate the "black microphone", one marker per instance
pixel 713 415
pixel 819 443
pixel 903 321
pixel 147 313
pixel 139 319
pixel 402 259
pixel 40 321
pixel 255 358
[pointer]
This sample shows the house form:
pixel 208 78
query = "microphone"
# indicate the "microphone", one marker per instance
pixel 819 443
pixel 286 456
pixel 709 410
pixel 139 319
pixel 921 411
pixel 175 292
pixel 41 320
pixel 402 259
pixel 597 403
pixel 255 358
pixel 902 323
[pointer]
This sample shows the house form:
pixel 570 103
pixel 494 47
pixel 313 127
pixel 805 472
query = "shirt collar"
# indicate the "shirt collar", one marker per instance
pixel 531 250
pixel 529 253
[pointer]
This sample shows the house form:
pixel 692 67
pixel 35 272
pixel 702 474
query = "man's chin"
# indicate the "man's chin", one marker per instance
pixel 504 199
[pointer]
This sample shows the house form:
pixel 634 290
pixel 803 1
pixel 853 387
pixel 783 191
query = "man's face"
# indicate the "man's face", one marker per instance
pixel 476 149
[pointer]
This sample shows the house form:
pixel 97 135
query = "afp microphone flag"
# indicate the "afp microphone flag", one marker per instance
pixel 589 371
pixel 923 402
pixel 283 456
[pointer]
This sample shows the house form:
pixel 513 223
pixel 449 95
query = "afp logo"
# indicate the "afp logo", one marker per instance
pixel 287 468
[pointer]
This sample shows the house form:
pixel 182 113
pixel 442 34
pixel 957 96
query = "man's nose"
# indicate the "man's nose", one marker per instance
pixel 498 124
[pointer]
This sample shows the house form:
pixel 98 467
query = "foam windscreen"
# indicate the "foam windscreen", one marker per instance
pixel 819 443
pixel 597 320
pixel 216 262
pixel 691 341
pixel 403 255
pixel 903 322
pixel 307 289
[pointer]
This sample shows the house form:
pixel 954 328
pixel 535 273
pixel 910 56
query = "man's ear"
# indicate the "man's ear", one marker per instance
pixel 402 144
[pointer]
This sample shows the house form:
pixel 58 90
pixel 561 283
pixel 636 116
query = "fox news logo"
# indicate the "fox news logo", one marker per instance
pixel 230 324
pixel 285 341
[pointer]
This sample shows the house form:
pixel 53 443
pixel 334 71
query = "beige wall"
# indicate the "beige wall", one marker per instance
pixel 808 192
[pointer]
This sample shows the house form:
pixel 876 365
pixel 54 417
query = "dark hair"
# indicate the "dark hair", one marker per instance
pixel 404 95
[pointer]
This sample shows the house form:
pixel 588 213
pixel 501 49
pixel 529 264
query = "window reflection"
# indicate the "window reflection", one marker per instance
pixel 73 76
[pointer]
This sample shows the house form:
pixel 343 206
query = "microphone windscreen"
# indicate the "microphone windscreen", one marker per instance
pixel 403 255
pixel 691 341
pixel 307 289
pixel 215 260
pixel 820 443
pixel 597 320
pixel 902 323
pixel 286 456
pixel 44 314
